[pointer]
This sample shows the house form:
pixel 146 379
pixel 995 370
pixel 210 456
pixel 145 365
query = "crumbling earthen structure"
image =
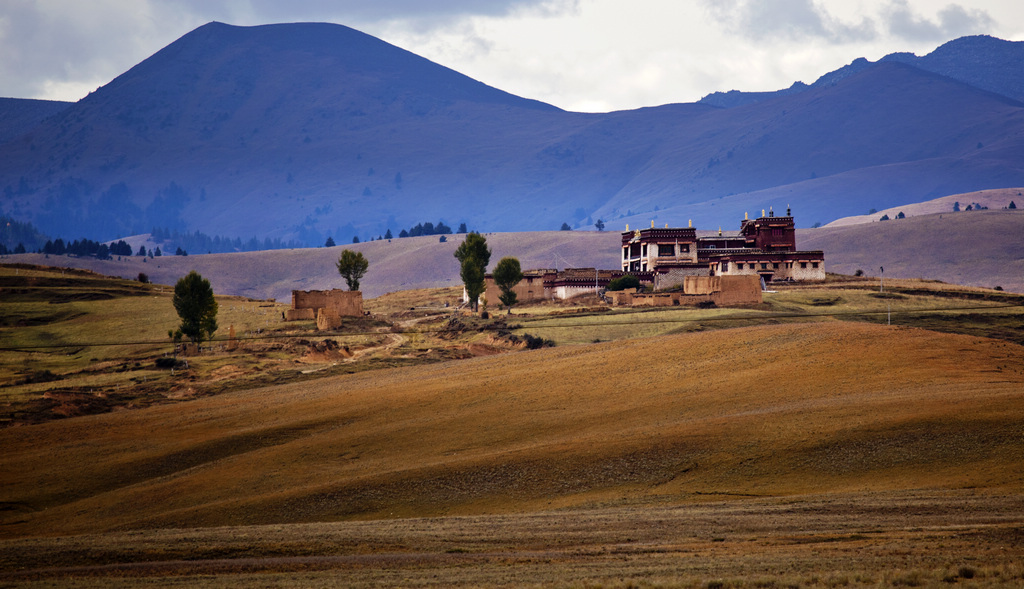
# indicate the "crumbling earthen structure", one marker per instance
pixel 327 307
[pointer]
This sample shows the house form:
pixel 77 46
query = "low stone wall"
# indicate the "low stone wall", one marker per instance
pixel 299 314
pixel 307 304
pixel 723 291
pixel 327 320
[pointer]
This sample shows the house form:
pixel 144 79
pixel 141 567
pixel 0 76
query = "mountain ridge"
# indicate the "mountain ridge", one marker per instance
pixel 303 131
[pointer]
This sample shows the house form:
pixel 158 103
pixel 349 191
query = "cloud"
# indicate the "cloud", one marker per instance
pixel 793 20
pixel 953 21
pixel 360 11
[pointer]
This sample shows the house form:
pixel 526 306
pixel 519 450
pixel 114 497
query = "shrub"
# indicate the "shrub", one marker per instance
pixel 623 282
pixel 533 342
pixel 143 278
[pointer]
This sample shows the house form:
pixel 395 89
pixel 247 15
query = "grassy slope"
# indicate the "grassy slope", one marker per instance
pixel 399 264
pixel 997 198
pixel 982 248
pixel 783 409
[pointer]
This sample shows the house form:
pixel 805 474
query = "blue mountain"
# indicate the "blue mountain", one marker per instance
pixel 300 131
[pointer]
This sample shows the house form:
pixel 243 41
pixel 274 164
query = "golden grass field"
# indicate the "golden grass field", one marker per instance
pixel 800 443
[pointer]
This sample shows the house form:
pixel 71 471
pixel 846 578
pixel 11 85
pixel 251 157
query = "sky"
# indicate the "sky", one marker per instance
pixel 579 55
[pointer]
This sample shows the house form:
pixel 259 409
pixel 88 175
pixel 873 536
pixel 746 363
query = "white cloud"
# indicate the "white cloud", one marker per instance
pixel 953 21
pixel 577 54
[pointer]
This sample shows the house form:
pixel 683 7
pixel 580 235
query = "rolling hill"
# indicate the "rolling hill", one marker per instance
pixel 301 131
pixel 938 246
pixel 860 408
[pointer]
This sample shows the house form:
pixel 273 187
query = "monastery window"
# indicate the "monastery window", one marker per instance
pixel 684 248
pixel 814 264
pixel 724 267
pixel 775 266
pixel 739 265
pixel 764 265
pixel 643 251
pixel 803 264
pixel 666 250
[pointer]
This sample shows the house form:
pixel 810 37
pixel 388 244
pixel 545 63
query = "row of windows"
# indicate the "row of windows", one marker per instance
pixel 664 250
pixel 764 265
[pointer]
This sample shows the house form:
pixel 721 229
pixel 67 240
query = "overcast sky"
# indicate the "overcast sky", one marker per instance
pixel 583 55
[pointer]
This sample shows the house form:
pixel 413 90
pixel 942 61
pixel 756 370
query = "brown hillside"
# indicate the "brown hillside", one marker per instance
pixel 397 264
pixel 976 248
pixel 773 410
pixel 998 198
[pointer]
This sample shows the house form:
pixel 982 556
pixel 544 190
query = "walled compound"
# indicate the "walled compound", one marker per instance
pixel 764 247
pixel 727 269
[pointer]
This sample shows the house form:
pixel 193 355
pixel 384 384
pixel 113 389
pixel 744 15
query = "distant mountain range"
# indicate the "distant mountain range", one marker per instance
pixel 303 131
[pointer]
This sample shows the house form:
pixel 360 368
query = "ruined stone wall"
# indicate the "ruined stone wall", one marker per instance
pixel 676 276
pixel 738 290
pixel 701 285
pixel 342 302
pixel 327 319
pixel 299 314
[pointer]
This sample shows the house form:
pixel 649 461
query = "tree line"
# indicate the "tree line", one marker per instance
pixel 197 241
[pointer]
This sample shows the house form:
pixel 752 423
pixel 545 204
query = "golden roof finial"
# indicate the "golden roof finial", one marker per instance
pixel 627 226
pixel 691 223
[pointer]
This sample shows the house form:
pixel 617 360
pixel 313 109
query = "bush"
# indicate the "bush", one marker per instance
pixel 167 362
pixel 143 278
pixel 532 342
pixel 624 282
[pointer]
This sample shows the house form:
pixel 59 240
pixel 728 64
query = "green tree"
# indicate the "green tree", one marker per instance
pixel 623 282
pixel 565 227
pixel 473 278
pixel 599 225
pixel 352 266
pixel 507 275
pixel 329 242
pixel 196 306
pixel 473 255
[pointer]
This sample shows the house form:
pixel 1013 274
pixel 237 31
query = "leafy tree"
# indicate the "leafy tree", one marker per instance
pixel 599 225
pixel 956 207
pixel 473 255
pixel 900 215
pixel 462 228
pixel 884 218
pixel 507 275
pixel 565 227
pixel 329 242
pixel 355 239
pixel 352 266
pixel 473 278
pixel 196 306
pixel 623 282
